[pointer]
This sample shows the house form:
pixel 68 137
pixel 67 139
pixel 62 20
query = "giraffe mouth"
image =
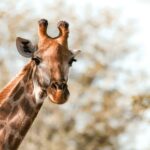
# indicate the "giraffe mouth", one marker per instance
pixel 58 96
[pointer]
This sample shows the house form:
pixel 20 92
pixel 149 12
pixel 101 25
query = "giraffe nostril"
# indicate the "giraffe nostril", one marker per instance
pixel 58 85
pixel 62 86
pixel 54 85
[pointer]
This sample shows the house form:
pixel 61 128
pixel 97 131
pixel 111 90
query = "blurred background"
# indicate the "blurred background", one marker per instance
pixel 109 104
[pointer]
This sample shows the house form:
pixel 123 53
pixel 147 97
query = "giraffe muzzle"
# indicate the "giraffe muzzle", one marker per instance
pixel 58 92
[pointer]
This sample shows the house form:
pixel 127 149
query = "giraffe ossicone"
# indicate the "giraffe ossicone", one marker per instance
pixel 45 76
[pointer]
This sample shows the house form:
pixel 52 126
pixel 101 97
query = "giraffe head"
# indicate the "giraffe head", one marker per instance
pixel 52 60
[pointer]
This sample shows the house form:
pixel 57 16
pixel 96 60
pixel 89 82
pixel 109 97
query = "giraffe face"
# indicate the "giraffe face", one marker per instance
pixel 52 60
pixel 52 68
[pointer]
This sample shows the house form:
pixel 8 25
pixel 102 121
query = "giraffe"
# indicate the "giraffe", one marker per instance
pixel 45 76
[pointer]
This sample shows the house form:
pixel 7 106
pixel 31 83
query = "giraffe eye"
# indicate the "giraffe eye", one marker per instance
pixel 71 61
pixel 37 60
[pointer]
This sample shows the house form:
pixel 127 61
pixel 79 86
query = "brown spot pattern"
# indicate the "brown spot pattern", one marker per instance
pixel 18 93
pixel 25 126
pixel 13 141
pixel 16 143
pixel 13 112
pixel 5 109
pixel 1 126
pixel 2 136
pixel 26 106
pixel 15 122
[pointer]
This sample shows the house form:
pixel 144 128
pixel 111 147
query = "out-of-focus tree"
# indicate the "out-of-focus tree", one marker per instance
pixel 98 112
pixel 4 74
pixel 94 120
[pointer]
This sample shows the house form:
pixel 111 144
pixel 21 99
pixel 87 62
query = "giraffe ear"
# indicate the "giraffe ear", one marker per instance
pixel 25 47
pixel 76 52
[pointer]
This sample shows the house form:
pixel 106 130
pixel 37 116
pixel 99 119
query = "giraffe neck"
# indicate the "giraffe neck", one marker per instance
pixel 18 109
